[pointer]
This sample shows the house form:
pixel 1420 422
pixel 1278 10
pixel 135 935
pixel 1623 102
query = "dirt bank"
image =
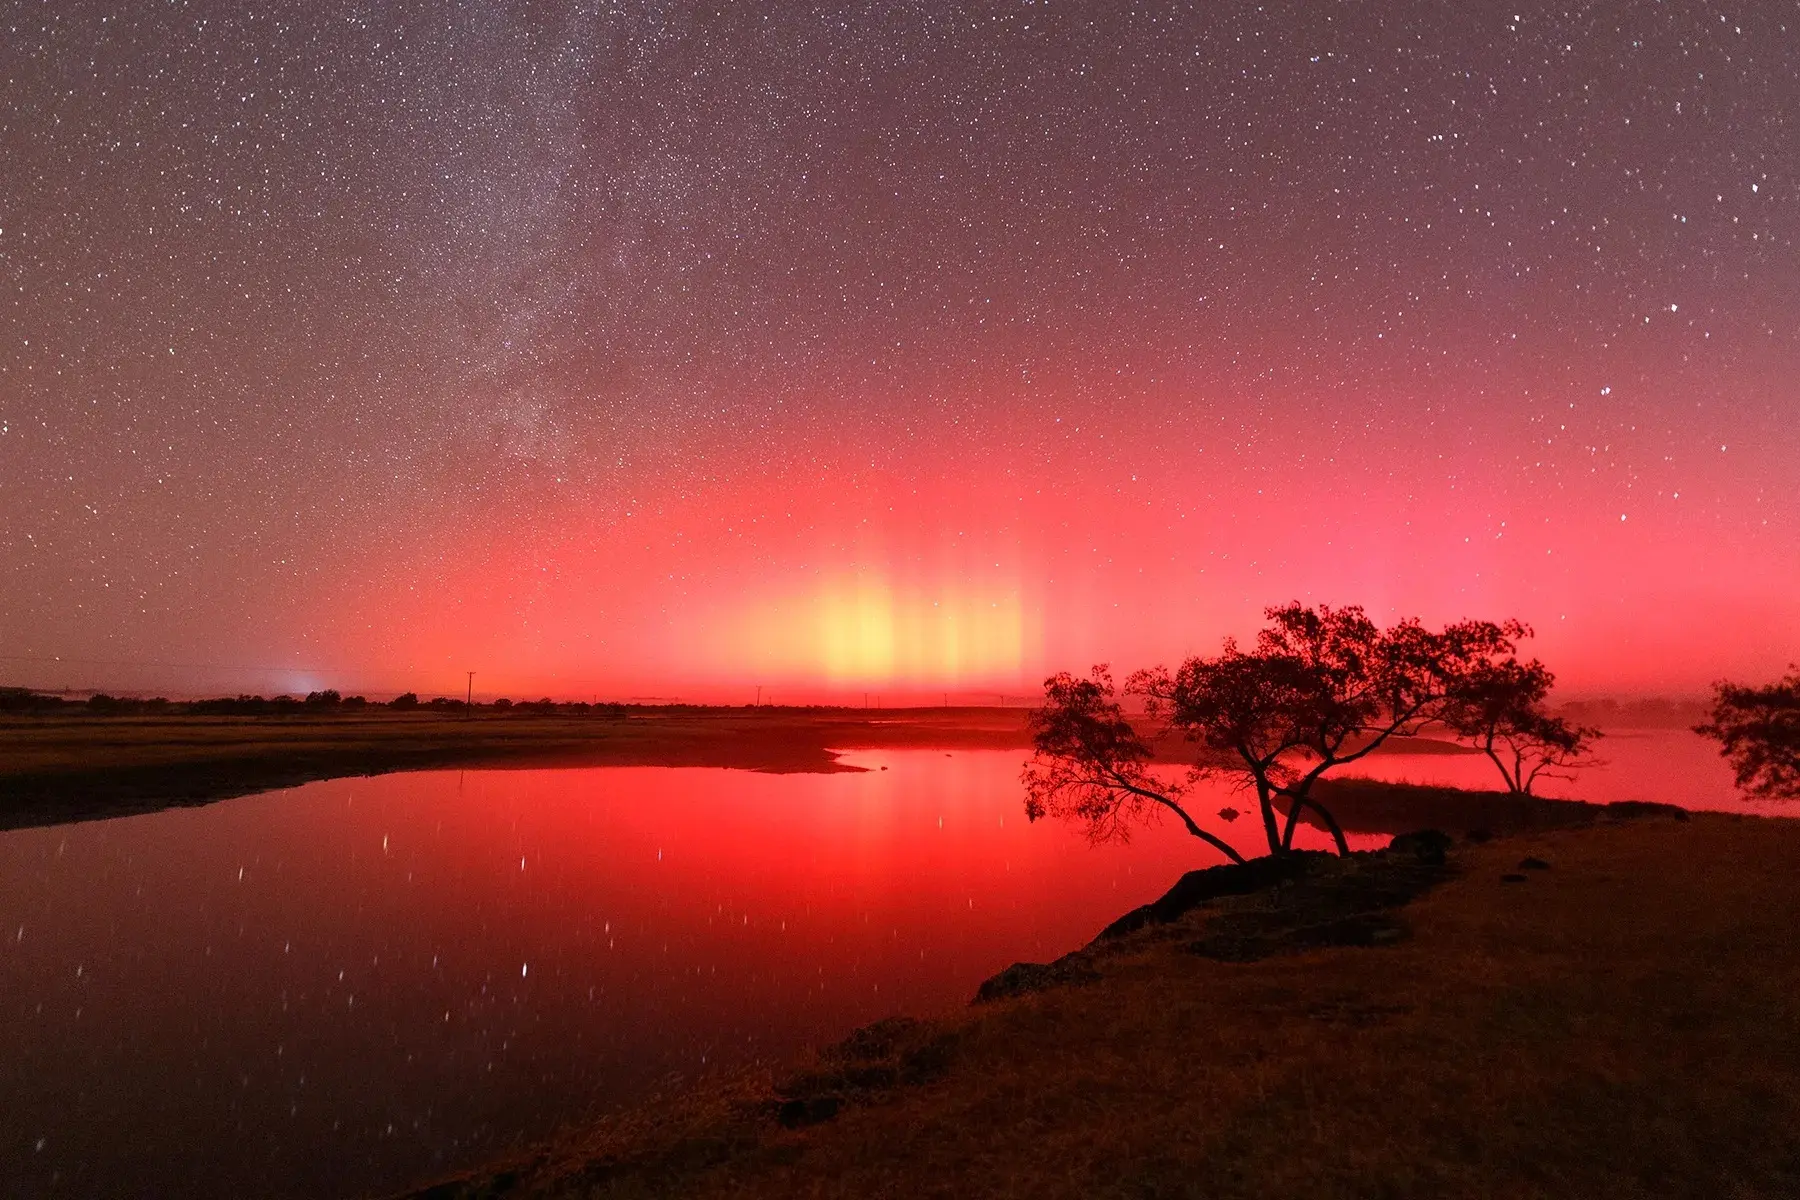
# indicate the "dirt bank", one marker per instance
pixel 1608 1010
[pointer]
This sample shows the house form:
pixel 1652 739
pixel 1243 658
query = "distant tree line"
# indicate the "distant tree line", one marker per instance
pixel 324 702
pixel 14 700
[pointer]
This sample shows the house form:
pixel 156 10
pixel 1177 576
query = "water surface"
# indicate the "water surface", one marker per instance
pixel 1671 766
pixel 358 985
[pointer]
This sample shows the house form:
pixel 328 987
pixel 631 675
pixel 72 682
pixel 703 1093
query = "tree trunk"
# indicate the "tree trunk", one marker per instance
pixel 1337 831
pixel 1512 785
pixel 1265 799
pixel 1295 804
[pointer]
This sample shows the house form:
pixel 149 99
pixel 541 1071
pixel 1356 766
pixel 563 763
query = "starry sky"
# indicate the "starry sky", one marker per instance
pixel 655 348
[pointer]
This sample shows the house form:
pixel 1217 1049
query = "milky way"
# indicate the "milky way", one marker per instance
pixel 630 347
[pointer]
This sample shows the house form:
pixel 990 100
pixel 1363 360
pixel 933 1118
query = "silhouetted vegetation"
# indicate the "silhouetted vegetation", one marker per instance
pixel 15 701
pixel 113 706
pixel 1091 765
pixel 1321 689
pixel 245 706
pixel 1499 708
pixel 1758 730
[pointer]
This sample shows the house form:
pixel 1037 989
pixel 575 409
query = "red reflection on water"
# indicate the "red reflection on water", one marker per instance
pixel 357 984
pixel 1670 766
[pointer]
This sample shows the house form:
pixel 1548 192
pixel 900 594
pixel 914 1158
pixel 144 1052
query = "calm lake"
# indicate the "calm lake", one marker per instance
pixel 357 985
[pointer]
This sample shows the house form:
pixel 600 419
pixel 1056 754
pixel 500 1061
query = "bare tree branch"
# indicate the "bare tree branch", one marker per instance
pixel 1323 686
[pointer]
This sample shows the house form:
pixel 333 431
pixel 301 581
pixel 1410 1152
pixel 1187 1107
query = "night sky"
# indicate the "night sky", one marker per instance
pixel 642 348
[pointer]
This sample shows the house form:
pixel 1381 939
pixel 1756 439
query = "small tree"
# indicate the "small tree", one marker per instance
pixel 1322 689
pixel 1758 730
pixel 1091 764
pixel 1499 708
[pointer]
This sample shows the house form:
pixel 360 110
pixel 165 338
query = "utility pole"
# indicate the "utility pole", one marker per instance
pixel 469 700
pixel 759 695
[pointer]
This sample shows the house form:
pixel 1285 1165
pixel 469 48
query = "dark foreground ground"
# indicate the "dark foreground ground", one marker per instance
pixel 1599 1011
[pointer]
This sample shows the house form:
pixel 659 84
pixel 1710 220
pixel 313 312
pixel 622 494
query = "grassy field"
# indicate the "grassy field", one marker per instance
pixel 1619 1019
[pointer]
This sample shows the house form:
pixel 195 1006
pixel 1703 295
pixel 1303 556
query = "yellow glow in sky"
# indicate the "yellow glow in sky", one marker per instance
pixel 860 629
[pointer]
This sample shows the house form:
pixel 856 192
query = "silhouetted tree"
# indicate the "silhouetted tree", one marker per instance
pixel 1499 708
pixel 328 698
pixel 405 700
pixel 1758 730
pixel 1091 765
pixel 115 706
pixel 24 700
pixel 1321 689
pixel 240 706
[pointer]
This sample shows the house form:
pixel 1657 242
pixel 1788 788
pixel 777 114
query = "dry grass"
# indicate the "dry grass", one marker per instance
pixel 1625 1023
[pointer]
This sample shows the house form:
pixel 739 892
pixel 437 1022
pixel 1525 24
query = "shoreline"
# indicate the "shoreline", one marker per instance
pixel 79 767
pixel 1245 1036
